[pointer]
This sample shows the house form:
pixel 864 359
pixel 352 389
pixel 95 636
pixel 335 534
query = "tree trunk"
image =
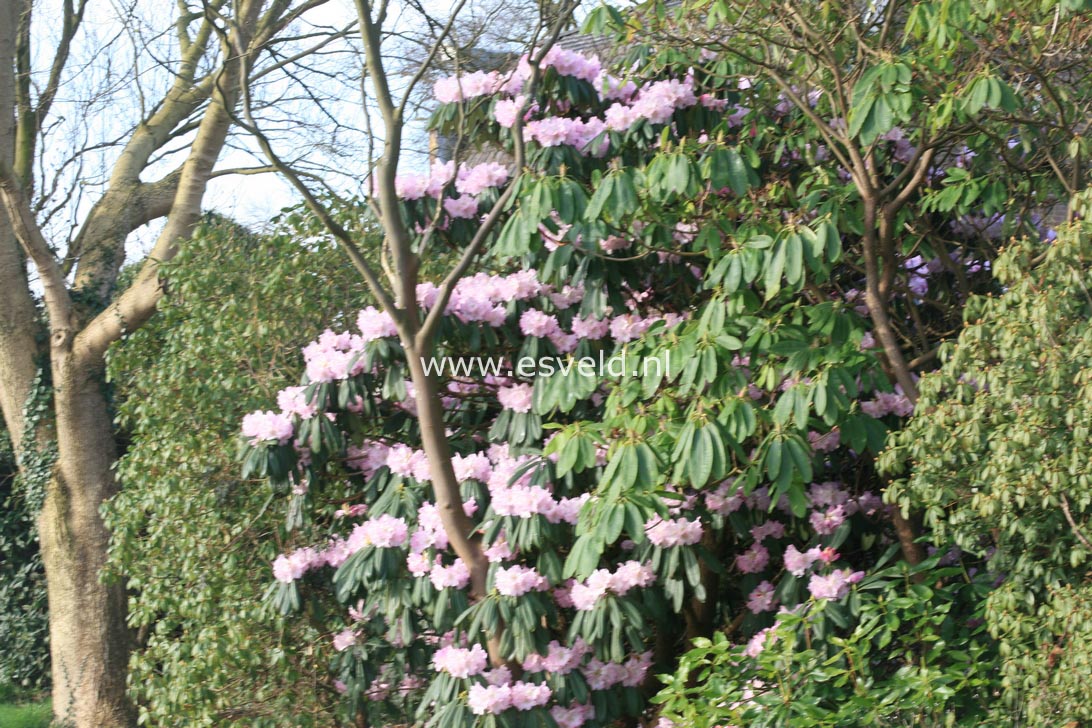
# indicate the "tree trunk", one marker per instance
pixel 89 639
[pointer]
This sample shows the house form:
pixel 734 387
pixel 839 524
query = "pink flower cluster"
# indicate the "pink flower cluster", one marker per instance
pixel 888 403
pixel 368 458
pixel 267 427
pixel 559 659
pixel 383 532
pixel 477 179
pixel 586 594
pixel 518 398
pixel 605 675
pixel 459 662
pixel 762 598
pixel 834 585
pixel 515 581
pixel 753 560
pixel 344 640
pixel 575 716
pixel 409 463
pixel 293 401
pixel 827 522
pixel 375 324
pixel 554 131
pixel 288 568
pixel 456 576
pixel 465 207
pixel 798 562
pixel 519 695
pixel 334 356
pixel 656 102
pixel 673 532
pixel 430 531
pixel 467 86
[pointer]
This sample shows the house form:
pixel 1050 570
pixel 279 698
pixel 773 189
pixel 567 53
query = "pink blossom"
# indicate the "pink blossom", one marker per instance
pixel 492 699
pixel 796 563
pixel 517 398
pixel 288 568
pixel 631 574
pixel 468 86
pixel 293 401
pixel 827 442
pixel 620 117
pixel 549 132
pixel 753 560
pixel 574 716
pixel 499 551
pixel 827 522
pixel 440 175
pixel 336 552
pixel 611 88
pixel 386 531
pixel 869 503
pixel 461 207
pixel 515 581
pixel 830 493
pixel 834 585
pixel 404 460
pixel 477 179
pixel 590 329
pixel 559 660
pixel 673 532
pixel 774 529
pixel 459 662
pixel 635 668
pixel 628 327
pixel 374 324
pixel 456 576
pixel 417 563
pixel 567 510
pixel 759 642
pixel 614 242
pixel 726 499
pixel 603 675
pixel 657 101
pixel 762 598
pixel 474 466
pixel 572 63
pixel 537 323
pixel 505 111
pixel 267 427
pixel 344 640
pixel 522 501
pixel 410 186
pixel 525 695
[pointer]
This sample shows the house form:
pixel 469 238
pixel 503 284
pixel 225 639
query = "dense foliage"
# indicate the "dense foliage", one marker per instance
pixel 996 460
pixel 189 534
pixel 24 613
pixel 24 621
pixel 772 230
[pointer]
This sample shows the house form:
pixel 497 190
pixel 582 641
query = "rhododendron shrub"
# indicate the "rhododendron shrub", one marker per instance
pixel 683 211
pixel 606 548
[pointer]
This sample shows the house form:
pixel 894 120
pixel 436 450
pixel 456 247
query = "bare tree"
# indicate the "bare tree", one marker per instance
pixel 390 100
pixel 185 79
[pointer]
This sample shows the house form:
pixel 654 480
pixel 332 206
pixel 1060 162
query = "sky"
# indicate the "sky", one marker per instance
pixel 104 93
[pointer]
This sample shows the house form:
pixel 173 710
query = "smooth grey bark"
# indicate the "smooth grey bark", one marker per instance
pixel 18 346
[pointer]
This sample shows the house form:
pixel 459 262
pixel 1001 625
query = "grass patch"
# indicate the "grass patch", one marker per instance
pixel 27 715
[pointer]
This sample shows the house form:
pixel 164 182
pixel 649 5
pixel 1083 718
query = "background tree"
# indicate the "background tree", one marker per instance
pixel 181 99
pixel 994 458
pixel 189 535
